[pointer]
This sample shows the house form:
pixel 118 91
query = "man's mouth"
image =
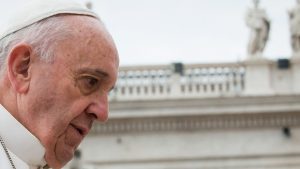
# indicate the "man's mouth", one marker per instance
pixel 75 133
pixel 80 129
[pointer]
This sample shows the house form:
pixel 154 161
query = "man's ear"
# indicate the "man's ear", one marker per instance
pixel 19 62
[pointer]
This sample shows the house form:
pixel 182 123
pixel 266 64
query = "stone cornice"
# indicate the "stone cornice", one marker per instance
pixel 197 114
pixel 205 106
pixel 191 123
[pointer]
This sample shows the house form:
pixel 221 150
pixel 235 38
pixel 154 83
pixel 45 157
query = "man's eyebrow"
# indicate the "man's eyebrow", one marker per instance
pixel 97 72
pixel 103 73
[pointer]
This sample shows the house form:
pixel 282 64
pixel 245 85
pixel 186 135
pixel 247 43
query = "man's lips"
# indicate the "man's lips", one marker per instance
pixel 75 134
pixel 82 130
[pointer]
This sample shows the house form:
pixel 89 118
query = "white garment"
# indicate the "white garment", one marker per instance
pixel 25 150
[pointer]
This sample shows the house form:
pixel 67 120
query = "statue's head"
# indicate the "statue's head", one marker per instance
pixel 89 5
pixel 256 3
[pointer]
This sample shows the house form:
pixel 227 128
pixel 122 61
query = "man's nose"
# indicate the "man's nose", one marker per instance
pixel 99 108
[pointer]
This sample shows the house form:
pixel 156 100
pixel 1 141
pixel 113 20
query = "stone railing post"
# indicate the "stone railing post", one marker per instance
pixel 258 77
pixel 296 74
pixel 175 86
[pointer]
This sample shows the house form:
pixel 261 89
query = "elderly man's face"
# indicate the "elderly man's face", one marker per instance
pixel 66 96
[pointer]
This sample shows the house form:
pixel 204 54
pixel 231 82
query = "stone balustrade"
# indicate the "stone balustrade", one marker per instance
pixel 251 77
pixel 193 80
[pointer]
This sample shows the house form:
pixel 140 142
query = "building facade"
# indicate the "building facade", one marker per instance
pixel 200 116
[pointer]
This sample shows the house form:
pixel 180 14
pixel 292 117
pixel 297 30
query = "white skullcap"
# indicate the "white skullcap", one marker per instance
pixel 37 10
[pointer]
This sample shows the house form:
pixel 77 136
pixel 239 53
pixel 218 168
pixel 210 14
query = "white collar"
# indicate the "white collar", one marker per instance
pixel 20 141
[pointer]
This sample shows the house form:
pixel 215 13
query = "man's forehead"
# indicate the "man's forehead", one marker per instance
pixel 36 10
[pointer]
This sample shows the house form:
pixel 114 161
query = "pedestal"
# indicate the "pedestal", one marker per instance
pixel 258 77
pixel 295 62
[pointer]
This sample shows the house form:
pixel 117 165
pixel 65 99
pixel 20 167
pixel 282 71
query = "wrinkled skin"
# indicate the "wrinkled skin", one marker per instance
pixel 63 98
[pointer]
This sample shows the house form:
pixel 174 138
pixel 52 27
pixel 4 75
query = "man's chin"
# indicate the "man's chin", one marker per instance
pixel 59 159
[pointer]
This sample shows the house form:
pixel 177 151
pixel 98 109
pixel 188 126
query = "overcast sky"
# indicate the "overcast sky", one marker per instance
pixel 188 31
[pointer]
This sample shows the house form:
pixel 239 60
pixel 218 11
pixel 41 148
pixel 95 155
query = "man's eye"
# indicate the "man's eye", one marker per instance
pixel 88 84
pixel 91 82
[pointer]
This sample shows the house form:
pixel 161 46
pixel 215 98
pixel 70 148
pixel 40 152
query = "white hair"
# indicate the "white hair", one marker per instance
pixel 43 37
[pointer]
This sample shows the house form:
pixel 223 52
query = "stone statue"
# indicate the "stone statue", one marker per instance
pixel 259 24
pixel 89 5
pixel 294 16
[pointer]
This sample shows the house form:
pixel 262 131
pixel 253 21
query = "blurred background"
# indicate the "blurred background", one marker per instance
pixel 189 94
